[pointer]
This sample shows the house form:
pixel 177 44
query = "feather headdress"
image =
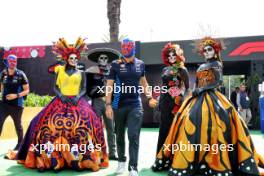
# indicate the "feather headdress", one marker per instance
pixel 62 49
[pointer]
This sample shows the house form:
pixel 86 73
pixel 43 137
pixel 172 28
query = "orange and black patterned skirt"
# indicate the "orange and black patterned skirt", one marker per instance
pixel 208 137
pixel 63 135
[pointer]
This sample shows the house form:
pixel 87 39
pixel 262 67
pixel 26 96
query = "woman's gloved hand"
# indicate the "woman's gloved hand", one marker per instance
pixel 65 99
pixel 75 100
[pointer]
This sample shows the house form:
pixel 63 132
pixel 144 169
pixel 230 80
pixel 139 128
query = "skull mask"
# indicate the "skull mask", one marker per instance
pixel 208 52
pixel 103 60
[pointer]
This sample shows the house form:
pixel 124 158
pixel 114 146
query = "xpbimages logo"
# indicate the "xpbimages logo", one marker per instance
pixel 50 147
pixel 130 89
pixel 214 148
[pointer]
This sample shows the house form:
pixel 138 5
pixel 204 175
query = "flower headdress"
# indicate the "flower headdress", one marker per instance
pixel 169 47
pixel 62 49
pixel 209 41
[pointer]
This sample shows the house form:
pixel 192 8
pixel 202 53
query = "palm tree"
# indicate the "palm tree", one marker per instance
pixel 106 38
pixel 113 14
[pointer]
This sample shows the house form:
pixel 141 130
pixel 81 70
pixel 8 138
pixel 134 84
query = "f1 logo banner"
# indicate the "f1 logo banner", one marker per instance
pixel 248 48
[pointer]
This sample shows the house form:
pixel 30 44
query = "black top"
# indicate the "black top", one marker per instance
pixel 95 84
pixel 173 78
pixel 212 76
pixel 13 84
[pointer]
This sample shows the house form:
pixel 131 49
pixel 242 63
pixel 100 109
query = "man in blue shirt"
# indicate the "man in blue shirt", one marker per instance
pixel 126 81
pixel 14 86
pixel 243 104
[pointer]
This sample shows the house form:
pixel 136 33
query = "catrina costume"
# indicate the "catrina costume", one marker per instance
pixel 175 78
pixel 96 82
pixel 207 136
pixel 67 132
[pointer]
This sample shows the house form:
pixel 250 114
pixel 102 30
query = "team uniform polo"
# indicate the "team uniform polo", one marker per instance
pixel 13 84
pixel 127 76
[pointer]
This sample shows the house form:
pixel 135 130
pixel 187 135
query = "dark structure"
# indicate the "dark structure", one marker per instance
pixel 243 56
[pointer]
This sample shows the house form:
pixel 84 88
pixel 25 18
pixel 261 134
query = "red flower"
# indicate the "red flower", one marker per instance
pixel 171 83
pixel 174 91
pixel 175 109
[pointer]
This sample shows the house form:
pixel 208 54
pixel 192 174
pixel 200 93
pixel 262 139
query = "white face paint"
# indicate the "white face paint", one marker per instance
pixel 172 57
pixel 72 59
pixel 208 52
pixel 103 60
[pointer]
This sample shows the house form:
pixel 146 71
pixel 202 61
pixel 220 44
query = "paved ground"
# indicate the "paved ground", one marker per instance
pixel 147 153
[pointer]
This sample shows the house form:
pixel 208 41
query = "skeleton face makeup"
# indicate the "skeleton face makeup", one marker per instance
pixel 103 60
pixel 72 60
pixel 209 52
pixel 172 57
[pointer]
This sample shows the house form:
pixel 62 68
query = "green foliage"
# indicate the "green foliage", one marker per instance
pixel 235 80
pixel 34 100
pixel 253 80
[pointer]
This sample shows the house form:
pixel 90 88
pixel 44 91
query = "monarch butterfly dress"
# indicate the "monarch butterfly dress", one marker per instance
pixel 207 136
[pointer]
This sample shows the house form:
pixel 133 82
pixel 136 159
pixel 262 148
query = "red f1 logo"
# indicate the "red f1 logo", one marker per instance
pixel 248 48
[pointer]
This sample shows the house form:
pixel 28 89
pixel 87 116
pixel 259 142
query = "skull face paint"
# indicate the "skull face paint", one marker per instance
pixel 172 57
pixel 103 60
pixel 208 52
pixel 11 61
pixel 72 60
pixel 128 48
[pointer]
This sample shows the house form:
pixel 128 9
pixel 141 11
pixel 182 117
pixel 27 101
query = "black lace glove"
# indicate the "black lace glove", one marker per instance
pixel 75 100
pixel 65 99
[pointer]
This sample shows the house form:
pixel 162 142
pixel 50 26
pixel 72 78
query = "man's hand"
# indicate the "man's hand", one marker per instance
pixel 109 112
pixel 11 96
pixel 153 103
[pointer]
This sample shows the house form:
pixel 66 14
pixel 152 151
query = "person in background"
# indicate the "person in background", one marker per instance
pixel 243 104
pixel 14 87
pixel 234 96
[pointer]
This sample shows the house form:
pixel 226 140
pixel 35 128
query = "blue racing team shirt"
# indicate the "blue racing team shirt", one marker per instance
pixel 126 88
pixel 13 84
